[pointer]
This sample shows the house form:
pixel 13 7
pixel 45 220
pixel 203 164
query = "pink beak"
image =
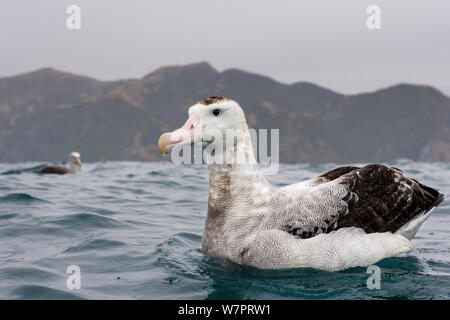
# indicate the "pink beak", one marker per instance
pixel 187 133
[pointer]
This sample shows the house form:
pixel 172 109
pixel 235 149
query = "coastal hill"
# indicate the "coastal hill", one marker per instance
pixel 47 113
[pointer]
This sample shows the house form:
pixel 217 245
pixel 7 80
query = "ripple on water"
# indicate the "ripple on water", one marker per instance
pixel 20 198
pixel 8 216
pixel 92 245
pixel 158 174
pixel 180 254
pixel 34 292
pixel 23 170
pixel 87 221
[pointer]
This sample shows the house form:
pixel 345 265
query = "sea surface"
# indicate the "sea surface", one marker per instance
pixel 134 230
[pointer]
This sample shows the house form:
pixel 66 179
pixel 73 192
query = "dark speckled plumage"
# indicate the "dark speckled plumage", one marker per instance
pixel 53 170
pixel 210 100
pixel 380 199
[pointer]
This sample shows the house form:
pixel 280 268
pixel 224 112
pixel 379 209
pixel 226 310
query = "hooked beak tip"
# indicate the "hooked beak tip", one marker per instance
pixel 163 143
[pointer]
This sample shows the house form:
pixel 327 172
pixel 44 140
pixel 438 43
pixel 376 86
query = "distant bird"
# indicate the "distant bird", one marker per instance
pixel 74 166
pixel 348 217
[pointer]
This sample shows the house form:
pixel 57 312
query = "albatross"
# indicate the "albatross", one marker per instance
pixel 348 217
pixel 73 168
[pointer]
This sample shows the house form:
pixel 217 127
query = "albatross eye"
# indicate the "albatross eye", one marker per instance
pixel 216 112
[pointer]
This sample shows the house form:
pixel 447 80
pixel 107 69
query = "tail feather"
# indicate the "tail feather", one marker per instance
pixel 431 199
pixel 430 195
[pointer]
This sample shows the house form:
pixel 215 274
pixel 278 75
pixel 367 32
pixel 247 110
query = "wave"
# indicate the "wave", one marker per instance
pixel 20 198
pixel 33 292
pixel 97 244
pixel 23 170
pixel 85 221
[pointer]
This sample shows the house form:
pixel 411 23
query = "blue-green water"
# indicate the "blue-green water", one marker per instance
pixel 134 229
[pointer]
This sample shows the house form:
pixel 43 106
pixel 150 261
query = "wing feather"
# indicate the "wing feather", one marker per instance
pixel 53 170
pixel 376 198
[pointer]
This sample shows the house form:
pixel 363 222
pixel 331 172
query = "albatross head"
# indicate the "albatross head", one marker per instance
pixel 75 162
pixel 208 119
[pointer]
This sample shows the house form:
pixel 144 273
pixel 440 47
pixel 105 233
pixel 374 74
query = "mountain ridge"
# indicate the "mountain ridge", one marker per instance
pixel 46 113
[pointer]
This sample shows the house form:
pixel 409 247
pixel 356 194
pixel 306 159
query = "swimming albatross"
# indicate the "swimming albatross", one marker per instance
pixel 74 166
pixel 348 217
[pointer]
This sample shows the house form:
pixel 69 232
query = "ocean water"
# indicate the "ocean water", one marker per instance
pixel 134 229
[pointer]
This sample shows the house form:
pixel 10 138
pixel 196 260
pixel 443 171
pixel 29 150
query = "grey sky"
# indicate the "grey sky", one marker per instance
pixel 325 42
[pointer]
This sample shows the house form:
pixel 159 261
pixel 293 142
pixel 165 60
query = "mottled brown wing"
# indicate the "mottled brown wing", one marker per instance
pixel 381 198
pixel 53 170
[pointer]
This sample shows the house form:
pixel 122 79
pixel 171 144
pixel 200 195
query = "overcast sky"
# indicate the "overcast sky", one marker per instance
pixel 325 42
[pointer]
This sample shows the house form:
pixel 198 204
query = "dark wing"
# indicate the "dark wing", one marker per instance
pixel 383 199
pixel 53 170
pixel 379 199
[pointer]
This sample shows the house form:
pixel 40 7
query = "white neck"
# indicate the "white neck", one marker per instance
pixel 74 168
pixel 232 148
pixel 232 188
pixel 230 177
